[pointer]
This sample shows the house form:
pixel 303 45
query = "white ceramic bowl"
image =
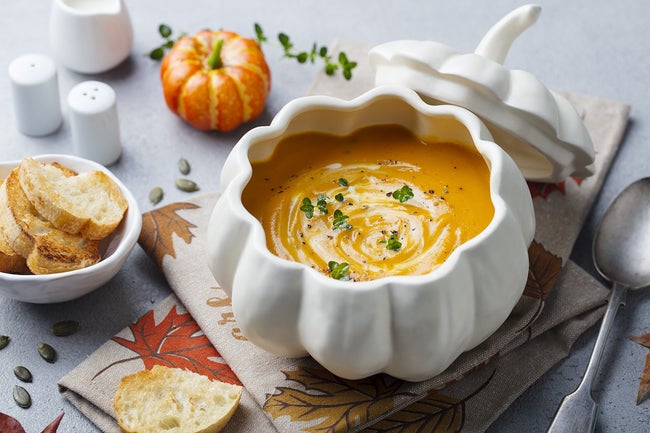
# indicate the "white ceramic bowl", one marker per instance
pixel 65 286
pixel 412 327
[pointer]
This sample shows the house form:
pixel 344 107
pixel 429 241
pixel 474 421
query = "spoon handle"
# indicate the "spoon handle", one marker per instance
pixel 578 411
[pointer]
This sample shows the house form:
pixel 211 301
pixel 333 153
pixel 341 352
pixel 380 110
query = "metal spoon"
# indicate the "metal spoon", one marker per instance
pixel 620 253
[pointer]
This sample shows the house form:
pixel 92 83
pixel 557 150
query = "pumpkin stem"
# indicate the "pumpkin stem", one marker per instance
pixel 214 60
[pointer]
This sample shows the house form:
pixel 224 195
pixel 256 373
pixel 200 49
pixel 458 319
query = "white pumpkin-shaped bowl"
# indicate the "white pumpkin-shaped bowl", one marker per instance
pixel 412 327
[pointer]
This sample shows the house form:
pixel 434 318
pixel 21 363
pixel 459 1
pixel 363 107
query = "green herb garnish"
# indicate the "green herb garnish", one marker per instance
pixel 321 202
pixel 393 243
pixel 339 197
pixel 403 194
pixel 332 64
pixel 343 181
pixel 316 53
pixel 340 271
pixel 307 207
pixel 340 221
pixel 166 32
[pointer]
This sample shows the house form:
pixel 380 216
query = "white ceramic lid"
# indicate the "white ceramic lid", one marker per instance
pixel 539 128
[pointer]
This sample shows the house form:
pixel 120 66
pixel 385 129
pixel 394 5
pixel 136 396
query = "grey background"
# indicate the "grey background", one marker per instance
pixel 597 47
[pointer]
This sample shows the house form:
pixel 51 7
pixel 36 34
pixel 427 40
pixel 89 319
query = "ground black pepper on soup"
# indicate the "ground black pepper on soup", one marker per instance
pixel 375 203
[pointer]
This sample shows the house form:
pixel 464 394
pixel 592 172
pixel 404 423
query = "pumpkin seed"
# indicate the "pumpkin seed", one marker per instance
pixel 155 195
pixel 22 373
pixel 22 397
pixel 184 166
pixel 47 352
pixel 4 340
pixel 65 328
pixel 186 185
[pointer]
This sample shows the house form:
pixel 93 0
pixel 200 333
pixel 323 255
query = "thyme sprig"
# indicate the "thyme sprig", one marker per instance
pixel 339 271
pixel 316 53
pixel 308 207
pixel 340 221
pixel 392 243
pixel 403 194
pixel 166 33
pixel 332 63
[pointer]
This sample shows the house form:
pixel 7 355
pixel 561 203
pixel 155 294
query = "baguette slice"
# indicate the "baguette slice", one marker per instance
pixel 173 400
pixel 89 203
pixel 10 261
pixel 47 250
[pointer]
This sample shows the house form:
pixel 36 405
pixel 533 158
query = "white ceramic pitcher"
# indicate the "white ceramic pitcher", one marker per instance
pixel 90 36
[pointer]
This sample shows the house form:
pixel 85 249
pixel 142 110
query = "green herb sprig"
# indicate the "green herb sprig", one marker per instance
pixel 166 32
pixel 403 194
pixel 392 243
pixel 339 271
pixel 308 207
pixel 321 203
pixel 321 53
pixel 340 221
pixel 316 53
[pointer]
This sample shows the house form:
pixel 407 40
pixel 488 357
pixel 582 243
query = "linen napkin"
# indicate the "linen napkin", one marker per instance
pixel 195 328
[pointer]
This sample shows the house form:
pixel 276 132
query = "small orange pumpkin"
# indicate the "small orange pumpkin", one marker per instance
pixel 215 79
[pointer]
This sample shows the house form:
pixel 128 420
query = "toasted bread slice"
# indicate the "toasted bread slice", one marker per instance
pixel 46 249
pixel 90 203
pixel 174 401
pixel 10 261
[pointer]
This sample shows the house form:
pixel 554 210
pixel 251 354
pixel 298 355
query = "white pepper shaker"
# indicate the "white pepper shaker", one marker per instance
pixel 94 122
pixel 35 91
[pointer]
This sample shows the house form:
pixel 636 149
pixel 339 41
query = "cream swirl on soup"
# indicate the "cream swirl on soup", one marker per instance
pixel 381 201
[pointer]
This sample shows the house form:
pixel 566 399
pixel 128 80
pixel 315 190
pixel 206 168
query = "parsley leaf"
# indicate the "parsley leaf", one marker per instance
pixel 403 194
pixel 343 181
pixel 339 197
pixel 340 271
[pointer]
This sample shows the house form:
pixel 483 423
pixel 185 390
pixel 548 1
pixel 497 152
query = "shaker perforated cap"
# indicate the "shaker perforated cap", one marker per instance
pixel 539 128
pixel 94 122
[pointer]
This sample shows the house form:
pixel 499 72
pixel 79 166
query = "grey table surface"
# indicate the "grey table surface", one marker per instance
pixel 597 47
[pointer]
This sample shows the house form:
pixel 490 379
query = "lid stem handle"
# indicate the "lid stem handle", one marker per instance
pixel 496 42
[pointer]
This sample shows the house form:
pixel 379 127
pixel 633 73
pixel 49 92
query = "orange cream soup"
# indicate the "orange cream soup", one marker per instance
pixel 451 200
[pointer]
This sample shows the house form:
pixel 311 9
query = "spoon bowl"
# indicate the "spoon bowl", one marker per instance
pixel 623 238
pixel 620 255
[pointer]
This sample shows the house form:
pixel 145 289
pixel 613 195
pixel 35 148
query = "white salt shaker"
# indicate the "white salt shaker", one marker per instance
pixel 94 122
pixel 35 91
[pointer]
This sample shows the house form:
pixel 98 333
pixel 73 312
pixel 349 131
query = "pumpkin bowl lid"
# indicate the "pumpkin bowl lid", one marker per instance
pixel 537 127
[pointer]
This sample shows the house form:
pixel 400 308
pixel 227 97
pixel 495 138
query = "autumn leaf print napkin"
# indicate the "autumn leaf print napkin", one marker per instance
pixel 195 328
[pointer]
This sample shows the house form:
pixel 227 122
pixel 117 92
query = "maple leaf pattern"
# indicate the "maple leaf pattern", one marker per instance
pixel 159 225
pixel 543 190
pixel 436 413
pixel 543 272
pixel 644 385
pixel 332 403
pixel 177 341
